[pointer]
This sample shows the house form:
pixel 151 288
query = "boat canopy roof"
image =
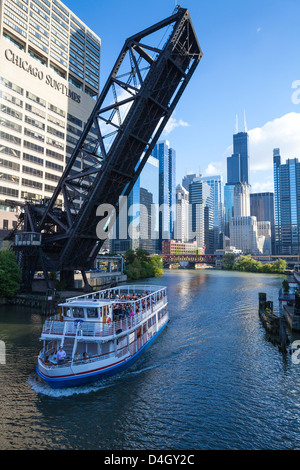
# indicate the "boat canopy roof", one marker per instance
pixel 114 295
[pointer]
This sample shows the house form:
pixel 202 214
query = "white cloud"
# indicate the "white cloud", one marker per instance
pixel 173 123
pixel 263 187
pixel 214 168
pixel 283 133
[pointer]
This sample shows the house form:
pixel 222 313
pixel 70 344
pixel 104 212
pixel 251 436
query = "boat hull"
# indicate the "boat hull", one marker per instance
pixel 77 380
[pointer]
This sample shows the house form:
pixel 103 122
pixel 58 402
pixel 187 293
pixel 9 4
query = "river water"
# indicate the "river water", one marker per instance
pixel 211 380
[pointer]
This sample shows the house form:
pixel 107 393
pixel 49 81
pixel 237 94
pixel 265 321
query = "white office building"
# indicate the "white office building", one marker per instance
pixel 243 234
pixel 49 80
pixel 182 214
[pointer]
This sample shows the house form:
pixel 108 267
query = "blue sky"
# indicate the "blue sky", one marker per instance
pixel 251 59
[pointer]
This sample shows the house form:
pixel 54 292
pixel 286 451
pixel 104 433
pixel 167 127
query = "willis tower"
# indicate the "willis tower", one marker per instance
pixel 238 163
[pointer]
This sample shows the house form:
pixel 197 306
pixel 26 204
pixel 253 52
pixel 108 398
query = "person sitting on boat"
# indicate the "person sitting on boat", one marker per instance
pixel 61 355
pixel 52 357
pixel 77 356
pixel 85 356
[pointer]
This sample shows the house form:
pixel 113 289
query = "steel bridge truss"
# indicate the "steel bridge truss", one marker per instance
pixel 138 99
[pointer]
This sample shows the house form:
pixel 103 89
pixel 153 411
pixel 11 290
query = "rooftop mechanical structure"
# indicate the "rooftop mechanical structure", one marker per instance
pixel 130 114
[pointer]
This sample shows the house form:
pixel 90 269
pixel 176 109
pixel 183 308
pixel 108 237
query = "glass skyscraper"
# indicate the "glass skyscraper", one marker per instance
pixel 137 225
pixel 238 163
pixel 240 147
pixel 262 207
pixel 287 204
pixel 229 206
pixel 201 203
pixel 217 187
pixel 233 169
pixel 166 157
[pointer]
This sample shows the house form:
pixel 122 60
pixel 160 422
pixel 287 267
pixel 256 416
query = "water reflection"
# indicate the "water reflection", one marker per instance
pixel 210 381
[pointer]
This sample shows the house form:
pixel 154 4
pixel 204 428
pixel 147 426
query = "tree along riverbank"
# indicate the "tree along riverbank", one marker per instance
pixel 10 274
pixel 139 264
pixel 248 264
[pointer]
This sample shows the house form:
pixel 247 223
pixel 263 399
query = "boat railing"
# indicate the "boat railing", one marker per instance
pixel 128 350
pixel 125 290
pixel 98 329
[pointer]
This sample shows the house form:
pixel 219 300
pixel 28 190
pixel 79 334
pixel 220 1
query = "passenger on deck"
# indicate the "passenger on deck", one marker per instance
pixel 77 356
pixel 85 356
pixel 61 355
pixel 52 357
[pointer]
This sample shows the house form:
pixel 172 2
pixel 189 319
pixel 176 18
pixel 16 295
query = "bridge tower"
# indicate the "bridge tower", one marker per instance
pixel 132 110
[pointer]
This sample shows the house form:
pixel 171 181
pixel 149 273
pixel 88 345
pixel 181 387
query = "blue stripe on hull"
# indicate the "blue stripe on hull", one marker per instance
pixel 76 381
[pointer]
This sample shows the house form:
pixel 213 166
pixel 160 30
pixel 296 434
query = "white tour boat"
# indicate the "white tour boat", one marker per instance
pixel 100 334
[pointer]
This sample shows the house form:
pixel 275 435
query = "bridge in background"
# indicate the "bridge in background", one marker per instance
pixel 211 259
pixel 291 260
pixel 190 258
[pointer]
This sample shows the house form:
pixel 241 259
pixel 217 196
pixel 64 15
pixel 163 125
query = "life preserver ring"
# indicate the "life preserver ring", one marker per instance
pixel 108 320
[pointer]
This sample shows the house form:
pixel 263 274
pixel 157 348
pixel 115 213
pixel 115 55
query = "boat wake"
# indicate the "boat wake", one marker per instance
pixel 42 388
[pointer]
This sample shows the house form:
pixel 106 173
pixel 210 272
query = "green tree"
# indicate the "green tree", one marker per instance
pixel 10 274
pixel 279 266
pixel 228 260
pixel 139 264
pixel 156 262
pixel 266 268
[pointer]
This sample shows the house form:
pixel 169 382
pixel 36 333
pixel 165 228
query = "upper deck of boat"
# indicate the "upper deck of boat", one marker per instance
pixel 102 314
pixel 111 305
pixel 124 293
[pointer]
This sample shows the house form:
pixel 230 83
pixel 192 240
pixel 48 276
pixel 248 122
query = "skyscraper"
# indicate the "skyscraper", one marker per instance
pixel 49 80
pixel 262 207
pixel 182 214
pixel 137 225
pixel 234 169
pixel 287 204
pixel 172 190
pixel 243 234
pixel 241 201
pixel 240 147
pixel 238 163
pixel 201 203
pixel 229 206
pixel 217 187
pixel 187 179
pixel 166 157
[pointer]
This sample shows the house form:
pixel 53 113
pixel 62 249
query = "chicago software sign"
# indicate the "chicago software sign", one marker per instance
pixel 35 72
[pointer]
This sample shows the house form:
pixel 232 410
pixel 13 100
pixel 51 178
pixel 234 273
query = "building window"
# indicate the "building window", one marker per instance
pixel 9 192
pixel 57 110
pixel 36 98
pixel 31 184
pixel 14 41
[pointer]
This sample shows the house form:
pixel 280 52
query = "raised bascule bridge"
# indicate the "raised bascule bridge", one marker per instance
pixel 140 95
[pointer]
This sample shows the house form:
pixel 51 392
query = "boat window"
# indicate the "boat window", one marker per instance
pixel 100 312
pixel 66 311
pixel 78 312
pixel 92 312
